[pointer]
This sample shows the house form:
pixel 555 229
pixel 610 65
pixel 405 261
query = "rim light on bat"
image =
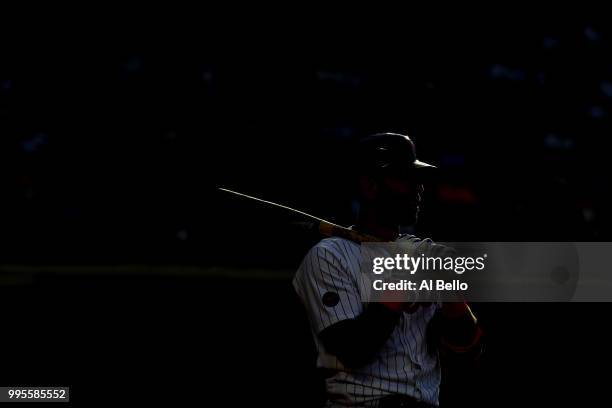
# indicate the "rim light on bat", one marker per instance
pixel 326 228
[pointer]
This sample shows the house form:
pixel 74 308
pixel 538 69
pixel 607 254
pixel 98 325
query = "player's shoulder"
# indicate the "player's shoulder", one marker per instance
pixel 335 250
pixel 336 246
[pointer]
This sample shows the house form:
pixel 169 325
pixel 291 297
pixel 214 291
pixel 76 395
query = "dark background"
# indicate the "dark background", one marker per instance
pixel 126 274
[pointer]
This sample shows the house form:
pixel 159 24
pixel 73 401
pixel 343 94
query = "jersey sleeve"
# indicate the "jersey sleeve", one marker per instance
pixel 327 289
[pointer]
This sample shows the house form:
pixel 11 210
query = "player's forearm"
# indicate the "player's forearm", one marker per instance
pixel 356 341
pixel 459 328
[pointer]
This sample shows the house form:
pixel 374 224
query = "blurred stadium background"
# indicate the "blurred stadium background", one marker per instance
pixel 122 267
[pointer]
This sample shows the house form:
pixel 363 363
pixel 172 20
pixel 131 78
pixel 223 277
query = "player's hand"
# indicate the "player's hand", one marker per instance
pixel 402 302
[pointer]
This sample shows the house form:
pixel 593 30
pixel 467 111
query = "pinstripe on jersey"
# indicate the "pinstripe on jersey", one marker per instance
pixel 404 365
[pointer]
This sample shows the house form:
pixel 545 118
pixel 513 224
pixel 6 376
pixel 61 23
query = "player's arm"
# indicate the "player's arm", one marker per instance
pixel 356 341
pixel 455 324
pixel 459 330
pixel 348 328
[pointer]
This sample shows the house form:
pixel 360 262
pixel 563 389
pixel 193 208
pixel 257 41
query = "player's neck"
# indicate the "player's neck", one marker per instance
pixel 370 223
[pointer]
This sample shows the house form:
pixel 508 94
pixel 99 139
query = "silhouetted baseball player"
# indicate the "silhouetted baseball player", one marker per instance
pixel 379 354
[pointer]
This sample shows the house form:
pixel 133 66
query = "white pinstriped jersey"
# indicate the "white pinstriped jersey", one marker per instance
pixel 404 365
